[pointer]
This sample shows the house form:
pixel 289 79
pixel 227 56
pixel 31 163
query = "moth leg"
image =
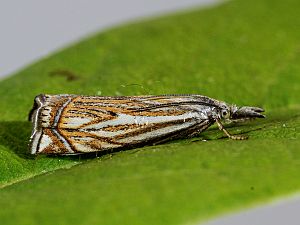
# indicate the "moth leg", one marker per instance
pixel 233 137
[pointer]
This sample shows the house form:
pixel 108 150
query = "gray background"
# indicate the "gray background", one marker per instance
pixel 33 28
pixel 283 212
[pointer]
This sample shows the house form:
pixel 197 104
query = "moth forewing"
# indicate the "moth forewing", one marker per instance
pixel 70 124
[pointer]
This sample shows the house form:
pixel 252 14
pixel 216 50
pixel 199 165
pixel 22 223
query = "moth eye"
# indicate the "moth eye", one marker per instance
pixel 224 113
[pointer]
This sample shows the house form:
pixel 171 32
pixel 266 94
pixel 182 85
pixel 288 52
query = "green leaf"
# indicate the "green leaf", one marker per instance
pixel 242 52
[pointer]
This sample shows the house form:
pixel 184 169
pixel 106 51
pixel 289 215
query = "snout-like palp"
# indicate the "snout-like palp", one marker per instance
pixel 247 112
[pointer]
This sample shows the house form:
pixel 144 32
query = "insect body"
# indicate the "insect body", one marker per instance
pixel 73 124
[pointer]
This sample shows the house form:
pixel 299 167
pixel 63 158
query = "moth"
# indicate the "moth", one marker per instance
pixel 73 124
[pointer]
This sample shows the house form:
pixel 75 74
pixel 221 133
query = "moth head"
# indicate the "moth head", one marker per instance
pixel 245 112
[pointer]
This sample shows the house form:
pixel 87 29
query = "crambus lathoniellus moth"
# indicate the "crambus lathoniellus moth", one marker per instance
pixel 74 124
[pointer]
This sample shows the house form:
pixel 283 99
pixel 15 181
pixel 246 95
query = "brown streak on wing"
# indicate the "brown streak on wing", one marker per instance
pixel 95 121
pixel 121 127
pixel 104 101
pixel 69 134
pixel 168 112
pixel 55 142
pixel 55 104
pixel 78 113
pixel 151 127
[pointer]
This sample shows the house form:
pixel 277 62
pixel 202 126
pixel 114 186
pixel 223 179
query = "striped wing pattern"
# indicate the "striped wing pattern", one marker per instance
pixel 80 124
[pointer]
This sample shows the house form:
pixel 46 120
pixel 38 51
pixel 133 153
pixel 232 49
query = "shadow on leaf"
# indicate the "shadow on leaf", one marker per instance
pixel 15 136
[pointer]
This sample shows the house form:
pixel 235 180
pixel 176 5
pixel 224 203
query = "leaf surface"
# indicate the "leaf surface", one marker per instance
pixel 242 52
